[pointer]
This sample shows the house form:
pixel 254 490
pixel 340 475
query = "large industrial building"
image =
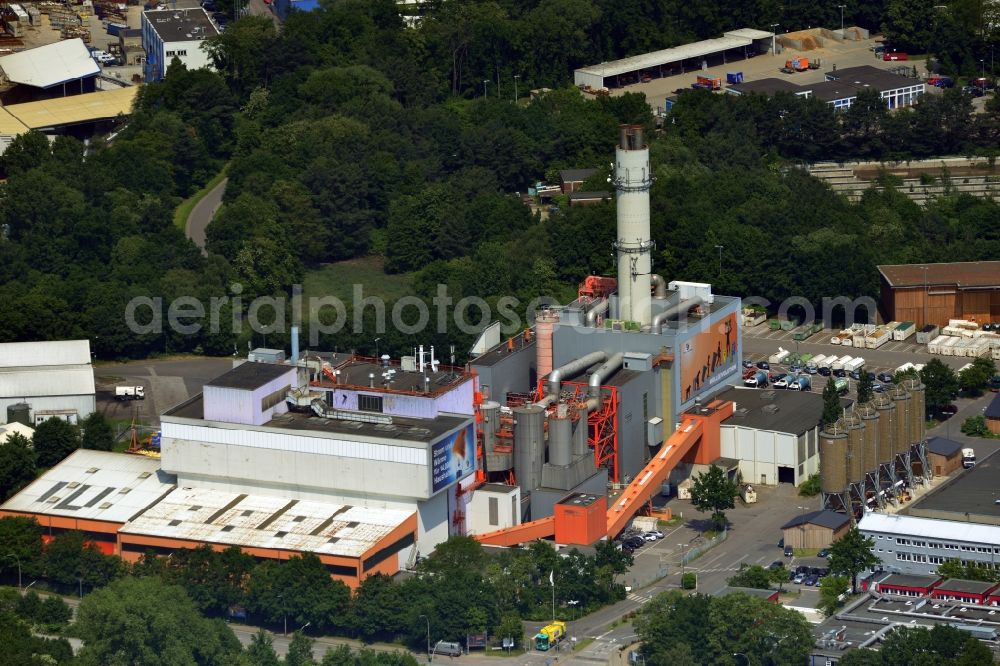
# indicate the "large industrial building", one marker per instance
pixel 41 380
pixel 936 293
pixel 175 33
pixel 841 87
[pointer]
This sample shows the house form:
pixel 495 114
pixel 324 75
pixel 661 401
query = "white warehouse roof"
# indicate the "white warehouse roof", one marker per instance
pixel 58 352
pixel 731 40
pixel 946 530
pixel 94 485
pixel 266 521
pixel 15 428
pixel 50 65
pixel 41 382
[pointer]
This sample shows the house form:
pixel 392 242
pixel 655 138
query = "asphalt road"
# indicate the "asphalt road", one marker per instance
pixel 202 214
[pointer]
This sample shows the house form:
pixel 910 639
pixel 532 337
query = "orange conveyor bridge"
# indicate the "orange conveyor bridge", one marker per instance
pixel 698 434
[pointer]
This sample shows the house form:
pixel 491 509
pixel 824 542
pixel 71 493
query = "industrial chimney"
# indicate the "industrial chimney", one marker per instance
pixel 633 247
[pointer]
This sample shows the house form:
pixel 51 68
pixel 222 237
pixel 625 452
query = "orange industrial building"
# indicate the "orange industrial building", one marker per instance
pixel 935 293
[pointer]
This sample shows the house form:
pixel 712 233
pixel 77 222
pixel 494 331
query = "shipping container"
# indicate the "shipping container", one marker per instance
pixel 781 356
pixel 854 365
pixel 927 333
pixel 878 338
pixel 904 330
pixel 841 362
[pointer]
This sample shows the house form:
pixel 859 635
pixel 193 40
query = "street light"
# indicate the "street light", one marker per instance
pixel 841 19
pixel 430 657
pixel 377 357
pixel 719 248
pixel 18 560
pixel 284 615
pixel 982 85
pixel 485 82
pixel 516 77
pixel 926 296
pixel 774 48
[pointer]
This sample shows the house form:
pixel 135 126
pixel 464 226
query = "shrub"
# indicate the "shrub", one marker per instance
pixel 689 580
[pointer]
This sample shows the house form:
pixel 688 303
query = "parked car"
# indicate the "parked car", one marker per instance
pixel 855 375
pixel 777 564
pixel 103 57
pixel 796 368
pixel 812 580
pixel 781 381
pixel 948 411
pixel 763 365
pixel 973 91
pixel 877 388
pixel 656 533
pixel 840 372
pixel 799 578
pixel 650 536
pixel 884 377
pixel 893 56
pixel 825 372
pixel 823 553
pixel 747 363
pixel 789 552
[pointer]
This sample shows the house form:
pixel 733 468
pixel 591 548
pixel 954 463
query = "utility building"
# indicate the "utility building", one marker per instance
pixel 937 293
pixel 175 33
pixel 41 380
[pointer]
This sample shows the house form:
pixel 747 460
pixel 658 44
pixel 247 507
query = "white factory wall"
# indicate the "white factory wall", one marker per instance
pixel 432 523
pixel 456 401
pixel 585 78
pixel 762 452
pixel 188 52
pixel 82 404
pixel 507 510
pixel 294 460
pixel 232 405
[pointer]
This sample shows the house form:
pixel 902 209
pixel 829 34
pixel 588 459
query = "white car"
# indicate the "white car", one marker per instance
pixel 655 533
pixel 103 57
pixel 649 536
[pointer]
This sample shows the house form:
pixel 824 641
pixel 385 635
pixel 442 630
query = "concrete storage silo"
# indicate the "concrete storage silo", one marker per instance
pixel 529 446
pixel 490 412
pixel 869 416
pixel 19 413
pixel 833 445
pixel 855 429
pixel 918 417
pixel 560 439
pixel 886 408
pixel 903 401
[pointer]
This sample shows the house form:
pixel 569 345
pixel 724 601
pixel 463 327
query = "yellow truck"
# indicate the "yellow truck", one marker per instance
pixel 550 635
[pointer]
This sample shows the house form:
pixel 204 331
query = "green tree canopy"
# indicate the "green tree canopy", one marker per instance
pixel 96 433
pixel 55 439
pixel 712 491
pixel 941 384
pixel 17 465
pixel 851 554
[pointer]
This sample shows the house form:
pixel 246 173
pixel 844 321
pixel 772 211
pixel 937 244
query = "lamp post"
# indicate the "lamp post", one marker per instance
pixel 284 615
pixel 774 47
pixel 377 357
pixel 982 85
pixel 841 19
pixel 926 295
pixel 485 83
pixel 18 560
pixel 719 248
pixel 429 656
pixel 516 77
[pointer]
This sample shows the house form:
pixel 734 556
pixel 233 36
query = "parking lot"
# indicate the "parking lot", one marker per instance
pixel 784 339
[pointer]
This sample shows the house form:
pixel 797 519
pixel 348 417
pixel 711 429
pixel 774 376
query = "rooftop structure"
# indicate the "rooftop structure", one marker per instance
pixel 830 519
pixel 49 377
pixel 793 412
pixel 181 25
pixel 94 486
pixel 942 446
pixel 972 586
pixel 50 65
pixel 15 428
pixel 63 111
pixel 912 581
pixel 967 498
pixel 768 86
pixel 932 529
pixel 961 274
pixel 250 376
pixel 269 522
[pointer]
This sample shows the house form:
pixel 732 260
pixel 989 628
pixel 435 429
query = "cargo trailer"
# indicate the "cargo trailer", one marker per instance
pixel 841 362
pixel 904 331
pixel 927 333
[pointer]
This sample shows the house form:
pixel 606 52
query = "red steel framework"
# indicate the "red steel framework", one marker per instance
pixel 602 423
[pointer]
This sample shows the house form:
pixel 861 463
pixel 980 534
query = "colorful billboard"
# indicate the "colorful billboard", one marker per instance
pixel 453 458
pixel 708 357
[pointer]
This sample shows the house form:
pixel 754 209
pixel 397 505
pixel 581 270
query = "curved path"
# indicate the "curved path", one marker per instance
pixel 203 213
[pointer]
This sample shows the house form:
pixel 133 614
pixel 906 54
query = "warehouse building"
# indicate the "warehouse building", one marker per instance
pixel 944 455
pixel 769 86
pixel 907 585
pixel 41 380
pixel 969 497
pixel 992 415
pixel 773 434
pixel 54 70
pixel 841 87
pixel 570 180
pixel 95 492
pixel 816 529
pixel 911 545
pixel 936 293
pixel 175 33
pixel 732 46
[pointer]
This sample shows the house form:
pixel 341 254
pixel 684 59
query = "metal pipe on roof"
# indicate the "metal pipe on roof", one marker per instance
pixel 568 369
pixel 600 376
pixel 597 310
pixel 674 310
pixel 657 282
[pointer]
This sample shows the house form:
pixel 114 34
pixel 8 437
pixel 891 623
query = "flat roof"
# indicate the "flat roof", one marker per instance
pixel 973 492
pixel 575 196
pixel 251 375
pixel 867 75
pixel 580 499
pixel 50 65
pixel 42 381
pixel 829 91
pixel 50 353
pixel 749 33
pixel 666 56
pixel 264 521
pixel 9 125
pixel 74 109
pixel 767 86
pixel 354 374
pixel 501 351
pixel 961 274
pixel 181 25
pixel 973 586
pixel 95 485
pixel 406 429
pixel 793 412
pixel 992 410
pixel 909 580
pixel 949 530
pixel 11 428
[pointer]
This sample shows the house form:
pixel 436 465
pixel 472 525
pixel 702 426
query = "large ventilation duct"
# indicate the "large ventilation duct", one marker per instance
pixel 673 311
pixel 560 438
pixel 596 311
pixel 600 376
pixel 659 284
pixel 529 446
pixel 568 370
pixel 633 247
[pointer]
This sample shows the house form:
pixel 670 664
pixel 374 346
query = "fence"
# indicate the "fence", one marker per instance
pixel 696 551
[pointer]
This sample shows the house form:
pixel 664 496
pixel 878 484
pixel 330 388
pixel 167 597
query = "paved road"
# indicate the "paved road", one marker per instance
pixel 203 213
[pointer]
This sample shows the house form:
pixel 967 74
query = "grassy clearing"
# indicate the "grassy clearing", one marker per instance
pixel 806 552
pixel 184 210
pixel 581 644
pixel 338 280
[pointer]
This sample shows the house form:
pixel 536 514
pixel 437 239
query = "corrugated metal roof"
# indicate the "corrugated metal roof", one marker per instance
pixel 9 125
pixel 96 485
pixel 944 530
pixel 943 447
pixel 961 585
pixel 75 108
pixel 829 519
pixel 55 352
pixel 666 56
pixel 8 429
pixel 993 409
pixel 50 65
pixel 262 521
pixel 44 381
pixel 962 274
pixel 749 33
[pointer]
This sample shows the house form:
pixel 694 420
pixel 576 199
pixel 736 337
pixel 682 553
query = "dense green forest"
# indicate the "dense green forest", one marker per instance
pixel 348 134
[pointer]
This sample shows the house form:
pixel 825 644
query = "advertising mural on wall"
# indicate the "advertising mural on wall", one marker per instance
pixel 453 458
pixel 709 357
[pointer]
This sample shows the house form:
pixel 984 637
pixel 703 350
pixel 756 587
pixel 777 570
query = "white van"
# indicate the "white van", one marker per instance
pixel 448 649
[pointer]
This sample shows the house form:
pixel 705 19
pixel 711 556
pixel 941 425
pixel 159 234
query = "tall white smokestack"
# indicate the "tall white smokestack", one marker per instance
pixel 633 247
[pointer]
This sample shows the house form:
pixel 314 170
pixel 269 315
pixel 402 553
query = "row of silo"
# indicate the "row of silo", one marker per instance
pixel 856 449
